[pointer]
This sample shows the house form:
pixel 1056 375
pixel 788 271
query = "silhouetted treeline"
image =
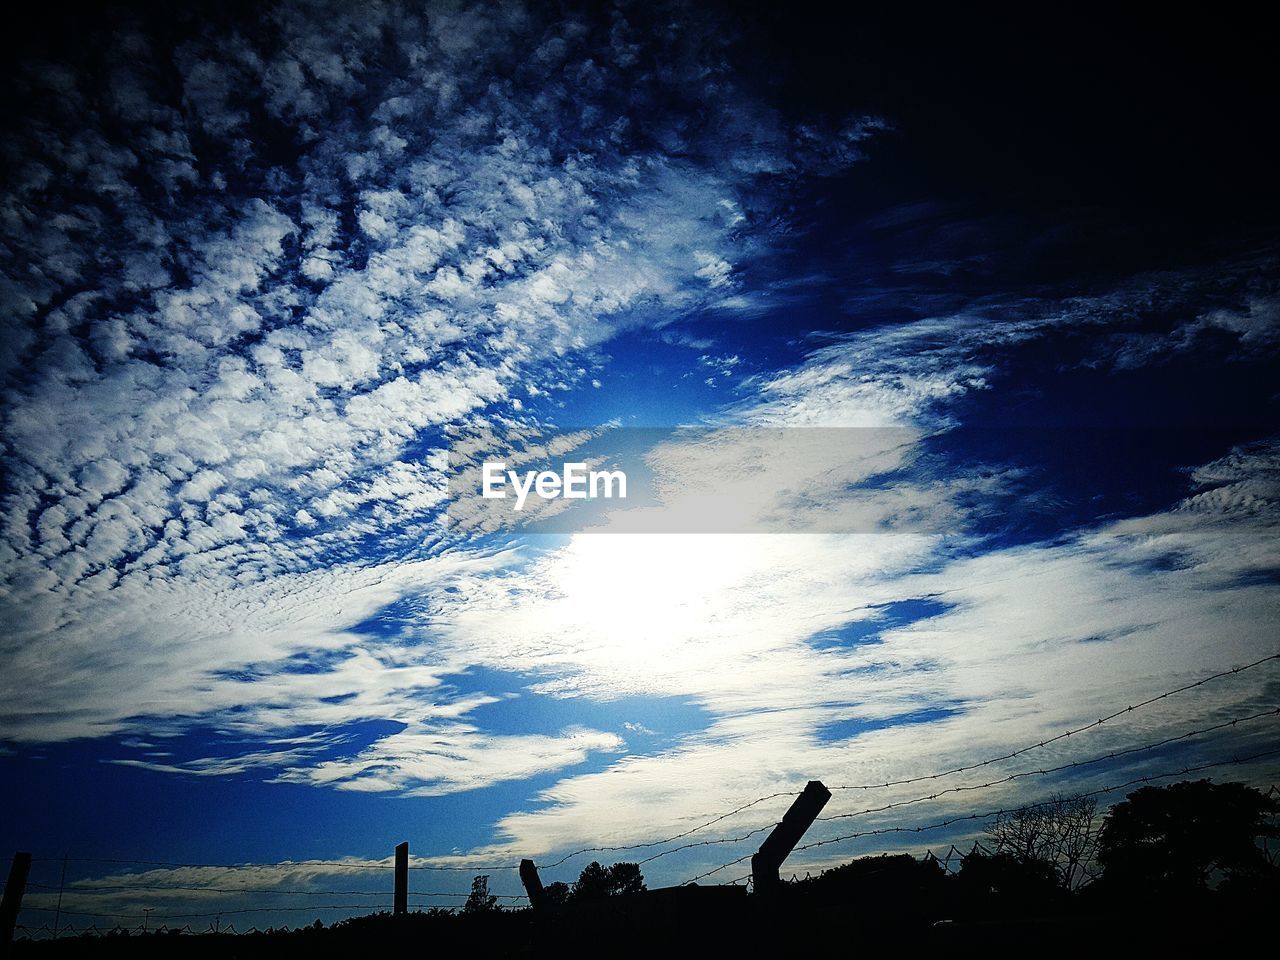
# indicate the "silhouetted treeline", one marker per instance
pixel 1176 865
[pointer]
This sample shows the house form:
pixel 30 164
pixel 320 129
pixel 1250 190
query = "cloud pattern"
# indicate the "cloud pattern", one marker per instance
pixel 255 279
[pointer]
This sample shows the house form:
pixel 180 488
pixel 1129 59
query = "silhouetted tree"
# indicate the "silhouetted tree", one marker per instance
pixel 1060 832
pixel 556 894
pixel 1009 879
pixel 625 878
pixel 592 883
pixel 1175 839
pixel 597 882
pixel 892 888
pixel 480 900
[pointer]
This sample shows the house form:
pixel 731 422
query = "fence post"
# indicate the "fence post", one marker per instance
pixel 14 888
pixel 402 879
pixel 779 844
pixel 532 883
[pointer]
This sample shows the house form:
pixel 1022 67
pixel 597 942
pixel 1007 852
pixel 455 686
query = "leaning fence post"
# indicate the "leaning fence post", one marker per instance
pixel 779 844
pixel 402 879
pixel 532 883
pixel 14 888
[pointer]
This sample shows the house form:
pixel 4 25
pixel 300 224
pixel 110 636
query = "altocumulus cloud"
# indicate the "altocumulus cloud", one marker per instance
pixel 257 273
pixel 255 269
pixel 1014 644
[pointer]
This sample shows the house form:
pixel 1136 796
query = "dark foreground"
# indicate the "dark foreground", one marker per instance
pixel 715 922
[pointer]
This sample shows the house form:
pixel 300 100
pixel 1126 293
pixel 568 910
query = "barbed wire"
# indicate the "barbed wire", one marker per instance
pixel 1043 771
pixel 94 931
pixel 679 836
pixel 480 868
pixel 954 853
pixel 909 780
pixel 881 831
pixel 125 887
pixel 970 787
pixel 340 864
pixel 210 913
pixel 1061 736
pixel 1030 806
pixel 708 843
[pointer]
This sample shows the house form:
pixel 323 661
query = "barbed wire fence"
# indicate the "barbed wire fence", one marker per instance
pixel 61 919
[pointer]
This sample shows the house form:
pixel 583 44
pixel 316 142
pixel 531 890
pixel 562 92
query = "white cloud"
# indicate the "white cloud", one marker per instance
pixel 1033 640
pixel 255 365
pixel 217 405
pixel 435 759
pixel 483 259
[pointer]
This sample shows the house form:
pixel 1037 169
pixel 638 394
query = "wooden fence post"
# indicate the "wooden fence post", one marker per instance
pixel 14 888
pixel 779 844
pixel 532 883
pixel 402 879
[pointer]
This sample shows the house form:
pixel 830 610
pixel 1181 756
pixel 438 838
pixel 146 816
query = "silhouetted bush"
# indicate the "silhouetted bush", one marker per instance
pixel 875 891
pixel 1004 884
pixel 480 900
pixel 597 882
pixel 557 894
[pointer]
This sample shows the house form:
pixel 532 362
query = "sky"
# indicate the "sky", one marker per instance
pixel 940 356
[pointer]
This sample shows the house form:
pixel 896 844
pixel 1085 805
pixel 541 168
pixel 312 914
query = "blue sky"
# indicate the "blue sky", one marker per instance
pixel 972 348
